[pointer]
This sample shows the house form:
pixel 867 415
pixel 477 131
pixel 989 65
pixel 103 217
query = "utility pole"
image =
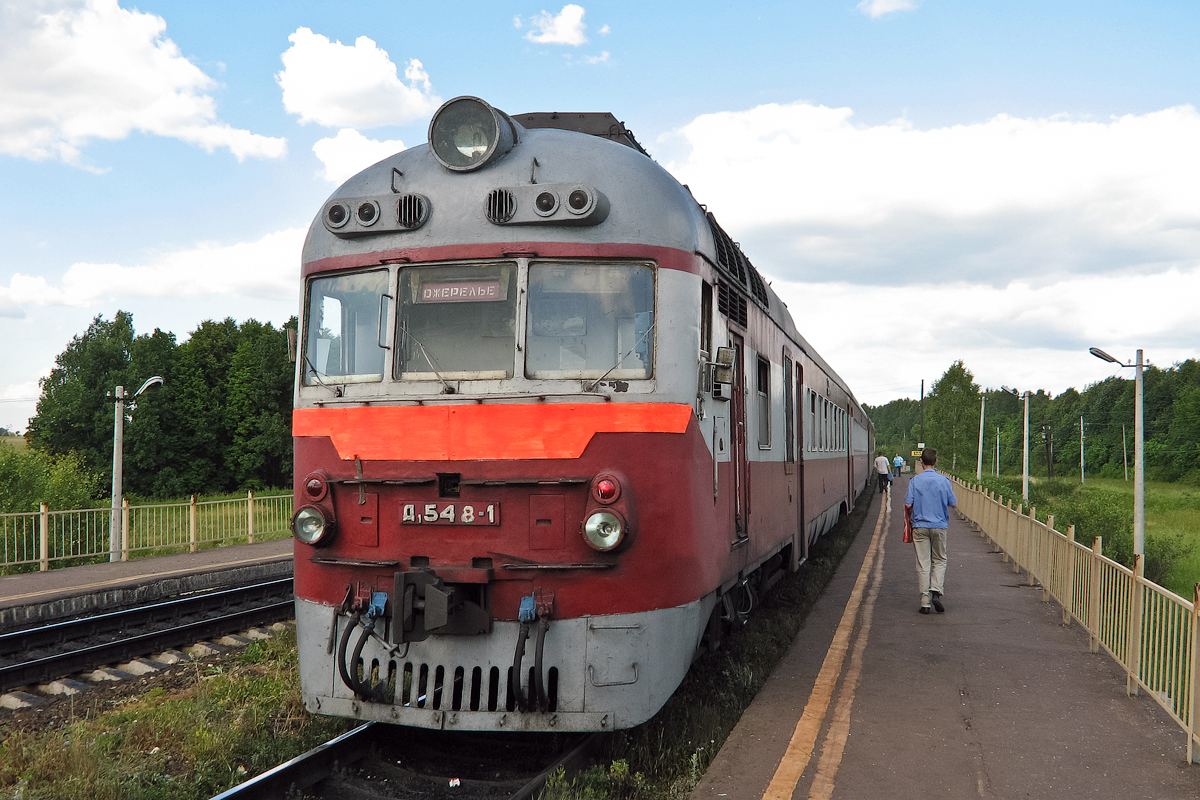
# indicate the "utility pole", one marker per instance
pixel 1082 477
pixel 1049 441
pixel 1124 454
pixel 996 462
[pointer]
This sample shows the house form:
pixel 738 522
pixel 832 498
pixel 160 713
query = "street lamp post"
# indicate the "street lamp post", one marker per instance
pixel 114 521
pixel 1139 449
pixel 979 461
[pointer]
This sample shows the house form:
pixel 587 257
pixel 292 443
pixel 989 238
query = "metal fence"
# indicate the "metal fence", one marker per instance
pixel 62 538
pixel 1149 630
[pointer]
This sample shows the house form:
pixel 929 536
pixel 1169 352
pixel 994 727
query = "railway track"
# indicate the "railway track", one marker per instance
pixel 377 760
pixel 44 653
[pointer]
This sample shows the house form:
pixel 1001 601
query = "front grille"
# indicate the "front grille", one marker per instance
pixel 501 206
pixel 439 688
pixel 411 211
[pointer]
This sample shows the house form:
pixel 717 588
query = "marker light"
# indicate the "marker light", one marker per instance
pixel 546 203
pixel 315 486
pixel 310 526
pixel 466 133
pixel 603 530
pixel 606 490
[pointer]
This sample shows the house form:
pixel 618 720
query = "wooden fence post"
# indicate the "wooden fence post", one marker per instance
pixel 124 528
pixel 1050 549
pixel 250 515
pixel 192 524
pixel 1017 539
pixel 1133 642
pixel 1032 565
pixel 1193 706
pixel 44 535
pixel 1069 605
pixel 1094 600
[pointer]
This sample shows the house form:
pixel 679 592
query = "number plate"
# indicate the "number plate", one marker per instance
pixel 469 514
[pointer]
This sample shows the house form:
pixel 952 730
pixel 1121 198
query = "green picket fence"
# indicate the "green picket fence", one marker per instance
pixel 45 539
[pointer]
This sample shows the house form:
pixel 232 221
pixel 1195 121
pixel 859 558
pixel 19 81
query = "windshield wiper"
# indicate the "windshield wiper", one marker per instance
pixel 430 360
pixel 337 390
pixel 628 353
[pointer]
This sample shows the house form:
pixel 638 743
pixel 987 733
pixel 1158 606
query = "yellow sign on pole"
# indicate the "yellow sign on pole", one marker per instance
pixel 917 453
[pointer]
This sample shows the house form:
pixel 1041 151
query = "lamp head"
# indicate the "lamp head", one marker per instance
pixel 1103 356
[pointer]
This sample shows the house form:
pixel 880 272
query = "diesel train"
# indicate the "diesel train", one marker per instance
pixel 553 432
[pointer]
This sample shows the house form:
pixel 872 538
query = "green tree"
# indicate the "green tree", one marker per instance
pixel 259 408
pixel 952 415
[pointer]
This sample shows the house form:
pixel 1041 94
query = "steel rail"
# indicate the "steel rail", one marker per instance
pixel 58 632
pixel 47 668
pixel 317 764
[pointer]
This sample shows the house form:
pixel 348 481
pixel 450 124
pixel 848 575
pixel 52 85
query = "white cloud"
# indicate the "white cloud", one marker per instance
pixel 76 70
pixel 351 87
pixel 350 152
pixel 605 30
pixel 265 269
pixel 565 27
pixel 600 59
pixel 517 22
pixel 987 202
pixel 1019 334
pixel 877 8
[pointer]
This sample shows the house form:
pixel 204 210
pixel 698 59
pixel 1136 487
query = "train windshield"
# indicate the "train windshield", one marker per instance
pixel 590 321
pixel 457 322
pixel 343 333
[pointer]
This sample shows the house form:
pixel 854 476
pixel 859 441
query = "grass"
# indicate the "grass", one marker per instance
pixel 17 442
pixel 233 721
pixel 666 757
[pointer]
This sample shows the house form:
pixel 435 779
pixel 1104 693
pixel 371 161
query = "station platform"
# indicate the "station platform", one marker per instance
pixel 40 597
pixel 995 698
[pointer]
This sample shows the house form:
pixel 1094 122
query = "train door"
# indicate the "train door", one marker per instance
pixel 800 549
pixel 739 456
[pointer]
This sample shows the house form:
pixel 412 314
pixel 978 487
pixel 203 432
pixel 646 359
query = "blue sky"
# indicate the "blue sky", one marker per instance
pixel 1006 183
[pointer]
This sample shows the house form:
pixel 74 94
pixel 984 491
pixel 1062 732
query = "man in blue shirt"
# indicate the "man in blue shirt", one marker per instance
pixel 928 500
pixel 898 463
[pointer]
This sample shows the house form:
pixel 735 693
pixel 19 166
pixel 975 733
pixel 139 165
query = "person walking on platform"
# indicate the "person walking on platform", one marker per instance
pixel 898 463
pixel 885 472
pixel 928 501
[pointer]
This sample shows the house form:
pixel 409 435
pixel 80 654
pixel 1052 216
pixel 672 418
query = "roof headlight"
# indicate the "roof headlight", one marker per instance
pixel 466 133
pixel 311 526
pixel 603 530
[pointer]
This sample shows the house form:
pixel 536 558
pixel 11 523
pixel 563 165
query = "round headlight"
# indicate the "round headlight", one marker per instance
pixel 310 526
pixel 603 530
pixel 467 133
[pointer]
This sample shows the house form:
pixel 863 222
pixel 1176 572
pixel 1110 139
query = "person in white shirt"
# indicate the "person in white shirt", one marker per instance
pixel 884 468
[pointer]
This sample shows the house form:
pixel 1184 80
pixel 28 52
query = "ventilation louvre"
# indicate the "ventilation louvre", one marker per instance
pixel 440 688
pixel 734 263
pixel 731 303
pixel 411 211
pixel 501 206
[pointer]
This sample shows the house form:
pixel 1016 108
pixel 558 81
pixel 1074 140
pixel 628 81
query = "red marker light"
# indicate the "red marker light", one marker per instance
pixel 606 490
pixel 314 487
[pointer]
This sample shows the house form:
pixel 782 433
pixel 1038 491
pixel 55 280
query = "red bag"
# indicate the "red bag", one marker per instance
pixel 907 524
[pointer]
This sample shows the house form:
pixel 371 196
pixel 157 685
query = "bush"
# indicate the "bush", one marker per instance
pixel 31 477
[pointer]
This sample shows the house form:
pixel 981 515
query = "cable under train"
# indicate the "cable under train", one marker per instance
pixel 552 432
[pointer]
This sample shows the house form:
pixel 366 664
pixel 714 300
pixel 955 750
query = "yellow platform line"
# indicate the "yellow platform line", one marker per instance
pixel 804 737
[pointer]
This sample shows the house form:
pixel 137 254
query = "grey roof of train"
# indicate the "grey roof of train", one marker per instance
pixel 647 204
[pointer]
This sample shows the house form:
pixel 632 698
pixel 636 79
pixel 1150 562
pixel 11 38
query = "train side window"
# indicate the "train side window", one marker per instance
pixel 764 403
pixel 342 328
pixel 788 432
pixel 812 420
pixel 706 310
